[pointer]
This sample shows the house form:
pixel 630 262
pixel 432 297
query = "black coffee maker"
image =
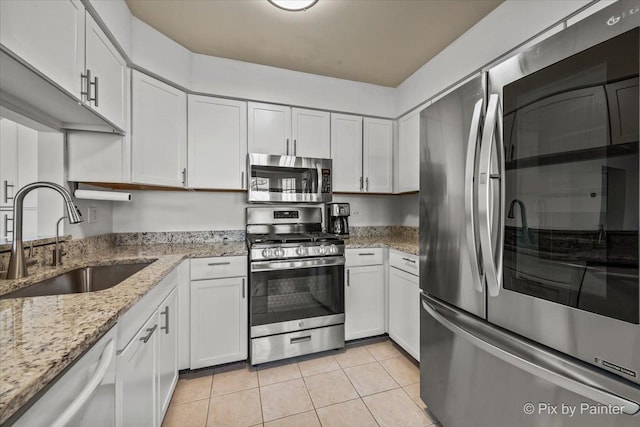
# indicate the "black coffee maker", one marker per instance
pixel 338 219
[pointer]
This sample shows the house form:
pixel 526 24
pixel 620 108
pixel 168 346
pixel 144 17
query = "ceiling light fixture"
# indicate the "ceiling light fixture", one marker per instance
pixel 293 5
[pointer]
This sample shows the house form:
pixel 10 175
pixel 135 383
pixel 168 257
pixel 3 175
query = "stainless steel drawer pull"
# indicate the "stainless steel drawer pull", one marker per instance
pixel 412 261
pixel 366 254
pixel 165 313
pixel 151 331
pixel 212 264
pixel 300 339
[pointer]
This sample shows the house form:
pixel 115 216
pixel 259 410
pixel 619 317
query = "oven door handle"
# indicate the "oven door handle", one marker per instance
pixel 258 266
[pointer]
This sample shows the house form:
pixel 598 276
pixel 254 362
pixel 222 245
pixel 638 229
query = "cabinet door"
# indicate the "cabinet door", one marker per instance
pixel 269 129
pixel 346 152
pixel 218 321
pixel 217 143
pixel 136 391
pixel 364 302
pixel 27 163
pixel 404 310
pixel 378 155
pixel 159 133
pixel 310 130
pixel 168 351
pixel 408 160
pixel 109 72
pixel 49 35
pixel 8 161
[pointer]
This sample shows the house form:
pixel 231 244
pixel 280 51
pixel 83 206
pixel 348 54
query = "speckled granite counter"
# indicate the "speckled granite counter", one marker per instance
pixel 40 337
pixel 402 243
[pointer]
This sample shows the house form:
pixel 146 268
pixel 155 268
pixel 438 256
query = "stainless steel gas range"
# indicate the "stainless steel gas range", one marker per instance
pixel 296 282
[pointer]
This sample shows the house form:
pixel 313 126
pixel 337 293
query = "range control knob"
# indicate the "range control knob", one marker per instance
pixel 333 249
pixel 267 253
pixel 279 252
pixel 301 251
pixel 322 250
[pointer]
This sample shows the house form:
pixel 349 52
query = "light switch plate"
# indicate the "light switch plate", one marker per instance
pixel 92 215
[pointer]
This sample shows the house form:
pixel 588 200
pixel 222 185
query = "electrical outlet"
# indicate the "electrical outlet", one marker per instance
pixel 92 215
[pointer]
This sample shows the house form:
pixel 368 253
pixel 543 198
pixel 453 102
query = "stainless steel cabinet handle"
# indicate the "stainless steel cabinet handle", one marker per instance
pixel 6 186
pixel 492 258
pixel 287 146
pixel 150 332
pixel 165 313
pixel 361 184
pixel 300 339
pixel 94 84
pixel 219 263
pixel 6 225
pixel 412 261
pixel 184 176
pixel 242 180
pixel 243 291
pixel 348 278
pixel 469 199
pixel 367 181
pixel 366 254
pixel 295 147
pixel 552 366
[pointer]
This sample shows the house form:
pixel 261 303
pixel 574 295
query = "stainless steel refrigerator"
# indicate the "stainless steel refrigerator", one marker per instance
pixel 529 212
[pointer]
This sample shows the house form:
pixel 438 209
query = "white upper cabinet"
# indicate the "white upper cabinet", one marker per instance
pixel 346 152
pixel 217 143
pixel 377 155
pixel 108 75
pixel 269 129
pixel 159 133
pixel 49 35
pixel 407 163
pixel 310 129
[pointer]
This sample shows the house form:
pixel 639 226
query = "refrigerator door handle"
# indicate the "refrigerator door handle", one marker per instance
pixel 570 374
pixel 469 205
pixel 491 257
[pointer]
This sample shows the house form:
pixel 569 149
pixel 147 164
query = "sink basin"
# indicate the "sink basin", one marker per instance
pixel 80 280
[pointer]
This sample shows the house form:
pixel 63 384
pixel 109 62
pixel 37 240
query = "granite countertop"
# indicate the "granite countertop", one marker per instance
pixel 401 243
pixel 41 336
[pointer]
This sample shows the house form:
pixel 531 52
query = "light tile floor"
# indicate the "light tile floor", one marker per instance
pixel 371 383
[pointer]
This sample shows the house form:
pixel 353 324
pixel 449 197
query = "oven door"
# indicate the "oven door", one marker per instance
pixel 289 179
pixel 562 262
pixel 295 295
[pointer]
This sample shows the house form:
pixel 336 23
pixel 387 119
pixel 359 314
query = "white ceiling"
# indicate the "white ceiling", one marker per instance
pixel 375 41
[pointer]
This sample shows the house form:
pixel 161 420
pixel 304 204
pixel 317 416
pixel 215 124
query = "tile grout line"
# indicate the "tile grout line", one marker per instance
pixel 359 396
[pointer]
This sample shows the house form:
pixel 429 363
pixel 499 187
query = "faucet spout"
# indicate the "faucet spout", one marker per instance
pixel 17 265
pixel 523 219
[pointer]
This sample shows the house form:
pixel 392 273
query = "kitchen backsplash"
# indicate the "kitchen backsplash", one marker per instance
pixel 385 230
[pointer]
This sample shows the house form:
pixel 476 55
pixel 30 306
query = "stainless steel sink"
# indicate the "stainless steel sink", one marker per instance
pixel 80 280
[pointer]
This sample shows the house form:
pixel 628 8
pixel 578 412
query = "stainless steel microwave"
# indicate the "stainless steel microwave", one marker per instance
pixel 289 179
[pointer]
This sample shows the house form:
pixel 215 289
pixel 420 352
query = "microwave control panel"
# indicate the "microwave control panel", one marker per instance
pixel 326 181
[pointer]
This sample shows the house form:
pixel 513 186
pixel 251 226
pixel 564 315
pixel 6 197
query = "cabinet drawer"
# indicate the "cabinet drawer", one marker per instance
pixel 364 256
pixel 404 261
pixel 218 267
pixel 283 346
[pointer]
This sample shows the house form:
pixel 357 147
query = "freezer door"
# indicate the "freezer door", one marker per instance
pixel 449 262
pixel 468 368
pixel 568 277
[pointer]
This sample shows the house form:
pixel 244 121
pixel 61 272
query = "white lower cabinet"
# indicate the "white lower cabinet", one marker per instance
pixel 137 401
pixel 364 301
pixel 219 311
pixel 167 372
pixel 404 310
pixel 147 365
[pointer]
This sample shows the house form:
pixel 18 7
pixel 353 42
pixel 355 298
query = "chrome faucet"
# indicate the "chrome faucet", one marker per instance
pixel 523 218
pixel 17 265
pixel 58 252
